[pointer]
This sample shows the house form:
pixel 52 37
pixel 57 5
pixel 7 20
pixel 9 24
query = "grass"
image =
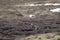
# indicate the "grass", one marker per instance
pixel 48 36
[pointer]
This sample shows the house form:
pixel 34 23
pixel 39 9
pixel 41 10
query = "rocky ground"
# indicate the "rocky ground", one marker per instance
pixel 19 22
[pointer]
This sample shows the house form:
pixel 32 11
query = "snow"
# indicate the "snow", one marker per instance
pixel 31 15
pixel 55 10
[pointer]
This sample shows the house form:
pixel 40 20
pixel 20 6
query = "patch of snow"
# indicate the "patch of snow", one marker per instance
pixel 46 4
pixel 55 10
pixel 54 4
pixel 32 5
pixel 31 15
